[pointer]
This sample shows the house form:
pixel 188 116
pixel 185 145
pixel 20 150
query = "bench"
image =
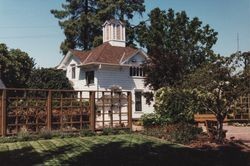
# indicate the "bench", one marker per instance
pixel 201 118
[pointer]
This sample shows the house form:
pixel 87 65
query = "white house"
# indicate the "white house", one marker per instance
pixel 110 64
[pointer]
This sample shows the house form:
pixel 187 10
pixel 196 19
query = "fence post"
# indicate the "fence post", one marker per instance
pixel 129 110
pixel 3 112
pixel 92 110
pixel 49 107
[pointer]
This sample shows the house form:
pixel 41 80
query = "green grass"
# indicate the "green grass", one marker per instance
pixel 114 150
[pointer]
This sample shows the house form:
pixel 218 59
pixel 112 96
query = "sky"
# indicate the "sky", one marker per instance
pixel 29 25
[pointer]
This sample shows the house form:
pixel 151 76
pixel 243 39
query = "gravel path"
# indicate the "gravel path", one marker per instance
pixel 238 133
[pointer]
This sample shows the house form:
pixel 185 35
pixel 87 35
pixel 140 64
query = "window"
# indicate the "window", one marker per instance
pixel 114 37
pixel 73 76
pixel 90 75
pixel 136 71
pixel 138 103
pixel 107 33
pixel 118 31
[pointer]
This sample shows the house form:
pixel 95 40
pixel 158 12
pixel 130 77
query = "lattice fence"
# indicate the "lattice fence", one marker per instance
pixel 63 110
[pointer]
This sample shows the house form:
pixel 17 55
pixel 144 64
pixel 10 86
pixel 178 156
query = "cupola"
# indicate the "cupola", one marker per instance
pixel 114 33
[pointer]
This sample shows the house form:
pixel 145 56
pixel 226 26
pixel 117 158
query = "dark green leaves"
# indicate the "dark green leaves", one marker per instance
pixel 81 20
pixel 16 67
pixel 176 46
pixel 48 79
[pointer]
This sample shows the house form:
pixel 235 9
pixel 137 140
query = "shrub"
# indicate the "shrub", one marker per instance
pixel 156 131
pixel 183 132
pixel 179 133
pixel 87 133
pixel 176 105
pixel 109 131
pixel 124 131
pixel 24 135
pixel 151 120
pixel 45 134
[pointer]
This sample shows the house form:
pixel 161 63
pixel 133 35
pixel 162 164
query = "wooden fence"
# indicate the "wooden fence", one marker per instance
pixel 63 110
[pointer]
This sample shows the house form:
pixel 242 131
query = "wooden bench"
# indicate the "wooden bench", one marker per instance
pixel 201 118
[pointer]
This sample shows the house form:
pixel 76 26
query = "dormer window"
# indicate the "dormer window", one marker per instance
pixel 136 71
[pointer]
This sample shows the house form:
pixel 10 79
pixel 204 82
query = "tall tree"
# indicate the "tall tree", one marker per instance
pixel 82 20
pixel 176 46
pixel 16 67
pixel 48 78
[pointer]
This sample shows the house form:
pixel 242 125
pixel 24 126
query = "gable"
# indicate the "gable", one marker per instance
pixel 139 58
pixel 69 58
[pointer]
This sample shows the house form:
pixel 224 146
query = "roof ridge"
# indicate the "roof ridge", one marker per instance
pixel 87 57
pixel 122 57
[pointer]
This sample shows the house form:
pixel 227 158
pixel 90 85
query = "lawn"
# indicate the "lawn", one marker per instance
pixel 115 150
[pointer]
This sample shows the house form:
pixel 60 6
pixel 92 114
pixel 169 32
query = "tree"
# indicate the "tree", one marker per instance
pixel 82 20
pixel 176 46
pixel 177 105
pixel 220 84
pixel 16 67
pixel 246 58
pixel 48 79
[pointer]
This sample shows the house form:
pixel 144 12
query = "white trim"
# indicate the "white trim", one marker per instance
pixel 98 63
pixel 138 51
pixel 66 58
pixel 87 57
pixel 122 58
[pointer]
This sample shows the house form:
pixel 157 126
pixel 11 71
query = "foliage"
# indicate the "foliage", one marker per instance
pixel 246 59
pixel 24 135
pixel 149 96
pixel 109 131
pixel 16 67
pixel 155 131
pixel 176 105
pixel 179 132
pixel 45 134
pixel 87 133
pixel 221 83
pixel 82 20
pixel 48 78
pixel 183 132
pixel 150 120
pixel 176 46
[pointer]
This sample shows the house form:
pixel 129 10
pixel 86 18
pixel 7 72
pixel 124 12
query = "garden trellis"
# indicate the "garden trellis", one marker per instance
pixel 63 110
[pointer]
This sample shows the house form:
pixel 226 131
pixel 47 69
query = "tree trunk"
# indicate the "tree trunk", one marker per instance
pixel 220 133
pixel 85 39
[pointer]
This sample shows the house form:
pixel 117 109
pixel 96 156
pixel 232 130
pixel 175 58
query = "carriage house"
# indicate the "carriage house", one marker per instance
pixel 111 64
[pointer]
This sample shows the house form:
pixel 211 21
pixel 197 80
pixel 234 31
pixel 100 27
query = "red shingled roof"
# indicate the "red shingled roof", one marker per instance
pixel 105 53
